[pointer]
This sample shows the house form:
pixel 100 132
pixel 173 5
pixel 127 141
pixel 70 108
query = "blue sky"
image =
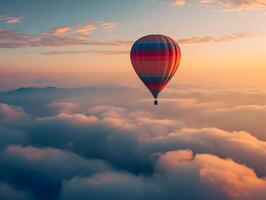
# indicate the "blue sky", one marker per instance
pixel 147 15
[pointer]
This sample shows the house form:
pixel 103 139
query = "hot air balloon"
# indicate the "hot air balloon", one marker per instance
pixel 155 59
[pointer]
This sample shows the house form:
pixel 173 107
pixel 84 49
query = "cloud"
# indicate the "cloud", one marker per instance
pixel 86 29
pixel 31 153
pixel 108 26
pixel 7 192
pixel 213 39
pixel 185 41
pixel 96 52
pixel 10 114
pixel 224 179
pixel 79 34
pixel 129 150
pixel 76 118
pixel 12 136
pixel 230 109
pixel 177 174
pixel 11 20
pixel 106 127
pixel 240 146
pixel 236 5
pixel 227 5
pixel 111 185
pixel 246 117
pixel 65 107
pixel 33 169
pixel 60 30
pixel 15 39
pixel 56 37
pixel 178 2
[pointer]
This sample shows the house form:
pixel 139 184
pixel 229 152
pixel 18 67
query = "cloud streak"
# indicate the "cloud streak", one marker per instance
pixel 178 2
pixel 117 43
pixel 96 52
pixel 11 20
pixel 79 35
pixel 215 39
pixel 62 36
pixel 226 5
pixel 237 4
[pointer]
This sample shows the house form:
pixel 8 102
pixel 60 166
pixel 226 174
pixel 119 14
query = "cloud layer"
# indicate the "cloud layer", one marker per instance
pixel 131 151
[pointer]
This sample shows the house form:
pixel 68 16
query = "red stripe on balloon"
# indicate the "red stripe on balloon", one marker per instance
pixel 155 86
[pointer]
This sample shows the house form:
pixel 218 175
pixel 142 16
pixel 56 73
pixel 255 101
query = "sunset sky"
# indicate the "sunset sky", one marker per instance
pixel 71 44
pixel 76 123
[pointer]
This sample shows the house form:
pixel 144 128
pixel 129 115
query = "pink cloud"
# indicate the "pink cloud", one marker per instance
pixel 76 118
pixel 11 20
pixel 65 107
pixel 172 158
pixel 237 4
pixel 240 145
pixel 60 30
pixel 86 29
pixel 79 35
pixel 227 5
pixel 222 176
pixel 124 42
pixel 213 39
pixel 108 26
pixel 9 114
pixel 57 37
pixel 178 2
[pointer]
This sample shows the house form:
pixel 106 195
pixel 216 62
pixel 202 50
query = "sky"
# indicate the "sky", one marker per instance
pixel 77 123
pixel 71 43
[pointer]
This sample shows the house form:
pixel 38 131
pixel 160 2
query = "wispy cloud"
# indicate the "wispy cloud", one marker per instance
pixel 108 26
pixel 237 4
pixel 178 2
pixel 97 52
pixel 118 42
pixel 60 30
pixel 227 5
pixel 213 39
pixel 10 19
pixel 124 42
pixel 16 39
pixel 77 34
pixel 85 29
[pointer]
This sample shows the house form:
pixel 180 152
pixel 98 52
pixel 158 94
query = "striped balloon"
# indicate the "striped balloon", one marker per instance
pixel 155 59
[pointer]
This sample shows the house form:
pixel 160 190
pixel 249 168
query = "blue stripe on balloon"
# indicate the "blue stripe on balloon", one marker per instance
pixel 151 47
pixel 152 78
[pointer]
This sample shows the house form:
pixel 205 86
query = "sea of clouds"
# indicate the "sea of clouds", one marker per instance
pixel 201 142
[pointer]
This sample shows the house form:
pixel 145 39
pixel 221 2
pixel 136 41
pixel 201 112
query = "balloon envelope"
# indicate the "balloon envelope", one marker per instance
pixel 155 59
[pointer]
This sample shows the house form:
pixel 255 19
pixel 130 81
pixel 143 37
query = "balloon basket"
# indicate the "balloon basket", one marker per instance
pixel 155 102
